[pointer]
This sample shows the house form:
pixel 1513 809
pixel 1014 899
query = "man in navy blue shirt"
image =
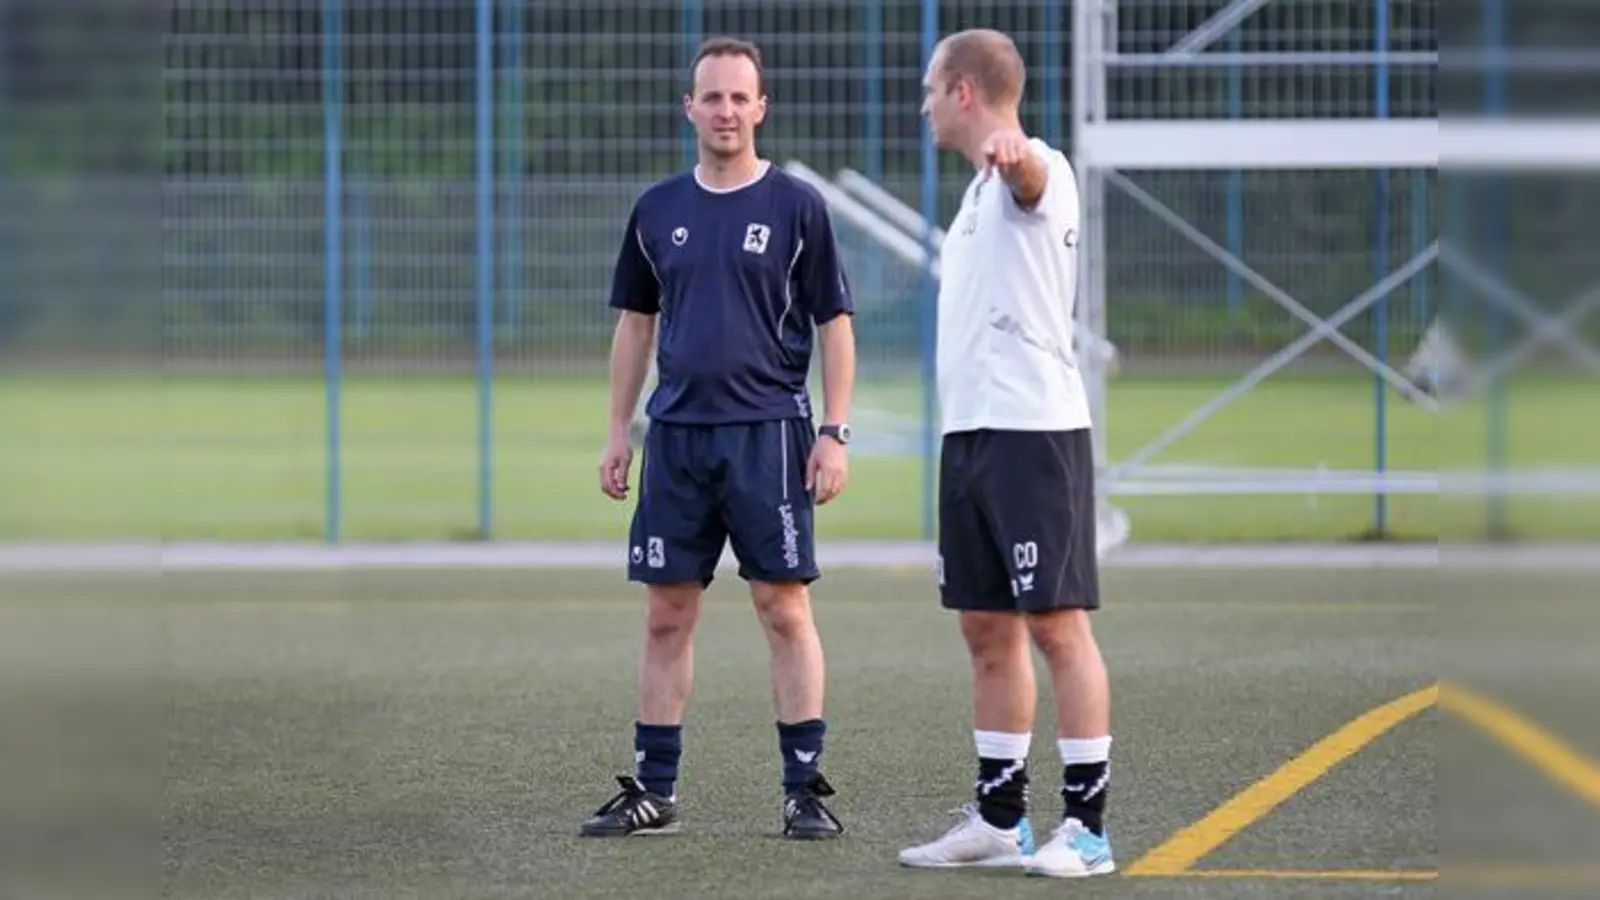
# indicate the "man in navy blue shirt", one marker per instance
pixel 732 271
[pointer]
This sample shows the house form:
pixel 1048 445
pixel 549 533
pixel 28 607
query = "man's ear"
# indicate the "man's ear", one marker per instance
pixel 761 110
pixel 966 95
pixel 688 104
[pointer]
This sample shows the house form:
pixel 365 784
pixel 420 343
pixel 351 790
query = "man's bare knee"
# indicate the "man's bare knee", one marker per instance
pixel 993 638
pixel 1060 633
pixel 673 611
pixel 783 608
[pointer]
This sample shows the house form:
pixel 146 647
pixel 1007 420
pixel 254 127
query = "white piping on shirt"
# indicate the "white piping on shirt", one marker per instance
pixel 788 289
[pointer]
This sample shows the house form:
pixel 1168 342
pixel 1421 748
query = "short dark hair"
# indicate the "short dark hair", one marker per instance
pixel 729 46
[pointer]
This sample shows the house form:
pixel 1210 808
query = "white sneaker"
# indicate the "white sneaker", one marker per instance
pixel 1073 851
pixel 971 843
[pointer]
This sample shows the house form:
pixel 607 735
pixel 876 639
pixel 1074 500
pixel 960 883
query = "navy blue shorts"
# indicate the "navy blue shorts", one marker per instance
pixel 704 486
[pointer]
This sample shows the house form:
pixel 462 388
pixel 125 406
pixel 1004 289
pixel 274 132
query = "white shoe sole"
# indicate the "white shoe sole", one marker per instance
pixel 993 862
pixel 1105 868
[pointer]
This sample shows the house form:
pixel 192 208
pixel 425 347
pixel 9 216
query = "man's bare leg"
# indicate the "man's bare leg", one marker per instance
pixel 1004 696
pixel 1083 710
pixel 798 676
pixel 666 679
pixel 798 686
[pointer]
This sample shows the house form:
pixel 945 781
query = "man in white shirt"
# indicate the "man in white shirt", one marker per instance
pixel 1016 492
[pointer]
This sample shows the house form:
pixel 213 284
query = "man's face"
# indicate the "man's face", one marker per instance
pixel 726 104
pixel 944 104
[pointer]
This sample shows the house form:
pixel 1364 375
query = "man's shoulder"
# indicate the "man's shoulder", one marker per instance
pixel 1045 149
pixel 792 189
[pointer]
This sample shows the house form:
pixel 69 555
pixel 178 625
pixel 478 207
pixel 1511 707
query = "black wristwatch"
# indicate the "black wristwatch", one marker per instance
pixel 840 432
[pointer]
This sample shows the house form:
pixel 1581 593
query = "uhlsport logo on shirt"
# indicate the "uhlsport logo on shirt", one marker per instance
pixel 791 536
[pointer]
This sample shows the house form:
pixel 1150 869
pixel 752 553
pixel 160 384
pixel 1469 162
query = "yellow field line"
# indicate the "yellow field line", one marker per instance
pixel 1567 766
pixel 1317 874
pixel 1475 875
pixel 1521 875
pixel 1189 845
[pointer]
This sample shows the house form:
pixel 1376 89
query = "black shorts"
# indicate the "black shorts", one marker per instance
pixel 704 486
pixel 1017 521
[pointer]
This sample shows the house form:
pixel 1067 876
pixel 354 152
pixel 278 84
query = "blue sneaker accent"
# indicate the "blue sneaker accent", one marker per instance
pixel 1025 830
pixel 1094 849
pixel 1072 852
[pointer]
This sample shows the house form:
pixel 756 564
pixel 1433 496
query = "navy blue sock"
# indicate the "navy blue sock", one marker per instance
pixel 657 748
pixel 801 745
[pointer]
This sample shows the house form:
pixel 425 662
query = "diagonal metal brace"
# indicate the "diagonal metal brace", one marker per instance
pixel 1505 362
pixel 1211 30
pixel 1323 330
pixel 1551 329
pixel 1383 370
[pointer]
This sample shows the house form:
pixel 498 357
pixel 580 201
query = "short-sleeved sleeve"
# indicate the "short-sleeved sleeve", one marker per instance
pixel 1061 191
pixel 1060 201
pixel 635 286
pixel 823 286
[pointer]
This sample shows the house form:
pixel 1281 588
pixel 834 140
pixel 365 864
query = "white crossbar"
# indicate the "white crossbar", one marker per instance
pixel 1239 144
pixel 1462 144
pixel 1520 144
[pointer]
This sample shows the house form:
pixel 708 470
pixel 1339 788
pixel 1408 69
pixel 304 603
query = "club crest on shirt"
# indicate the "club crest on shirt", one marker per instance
pixel 679 236
pixel 755 238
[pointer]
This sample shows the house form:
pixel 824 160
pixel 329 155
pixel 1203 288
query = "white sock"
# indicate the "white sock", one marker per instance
pixel 1082 751
pixel 1002 744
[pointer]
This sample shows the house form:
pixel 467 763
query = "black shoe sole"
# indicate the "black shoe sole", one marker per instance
pixel 670 828
pixel 819 835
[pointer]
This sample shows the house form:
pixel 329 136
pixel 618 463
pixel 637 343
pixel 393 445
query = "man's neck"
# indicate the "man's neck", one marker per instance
pixel 986 127
pixel 720 174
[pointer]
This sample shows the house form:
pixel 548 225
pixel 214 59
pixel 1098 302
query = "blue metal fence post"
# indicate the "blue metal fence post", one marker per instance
pixel 333 264
pixel 930 290
pixel 512 124
pixel 361 264
pixel 485 274
pixel 691 25
pixel 1235 189
pixel 1055 34
pixel 1494 103
pixel 1380 268
pixel 872 130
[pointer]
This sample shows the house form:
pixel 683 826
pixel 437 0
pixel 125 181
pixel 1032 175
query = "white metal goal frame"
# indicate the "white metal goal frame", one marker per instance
pixel 1104 146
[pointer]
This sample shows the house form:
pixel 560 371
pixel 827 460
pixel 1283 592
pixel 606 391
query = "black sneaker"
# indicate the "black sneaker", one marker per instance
pixel 635 811
pixel 804 816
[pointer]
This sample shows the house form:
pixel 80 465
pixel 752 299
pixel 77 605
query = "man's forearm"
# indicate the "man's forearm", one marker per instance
pixel 838 369
pixel 630 363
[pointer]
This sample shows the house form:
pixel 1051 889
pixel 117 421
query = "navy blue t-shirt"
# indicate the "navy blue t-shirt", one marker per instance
pixel 737 278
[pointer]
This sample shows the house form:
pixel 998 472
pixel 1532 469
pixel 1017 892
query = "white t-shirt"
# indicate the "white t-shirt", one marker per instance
pixel 1007 288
